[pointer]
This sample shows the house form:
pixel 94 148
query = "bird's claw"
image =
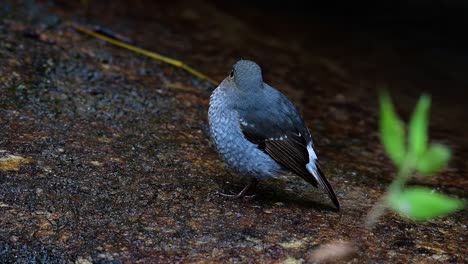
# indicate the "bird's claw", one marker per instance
pixel 240 195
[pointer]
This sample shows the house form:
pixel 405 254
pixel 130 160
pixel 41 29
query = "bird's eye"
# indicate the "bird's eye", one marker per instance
pixel 231 75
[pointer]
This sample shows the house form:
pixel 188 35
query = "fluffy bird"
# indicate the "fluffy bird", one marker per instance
pixel 259 133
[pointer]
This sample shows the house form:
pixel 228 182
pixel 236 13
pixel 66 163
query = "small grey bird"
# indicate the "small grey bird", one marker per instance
pixel 259 133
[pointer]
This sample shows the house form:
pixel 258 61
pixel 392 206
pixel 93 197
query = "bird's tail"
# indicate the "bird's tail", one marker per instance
pixel 314 168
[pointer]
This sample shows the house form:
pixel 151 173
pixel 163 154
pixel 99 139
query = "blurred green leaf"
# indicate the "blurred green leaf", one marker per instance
pixel 422 204
pixel 392 132
pixel 433 160
pixel 417 131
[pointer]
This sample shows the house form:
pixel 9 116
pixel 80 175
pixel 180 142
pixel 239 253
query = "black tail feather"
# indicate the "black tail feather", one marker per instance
pixel 318 174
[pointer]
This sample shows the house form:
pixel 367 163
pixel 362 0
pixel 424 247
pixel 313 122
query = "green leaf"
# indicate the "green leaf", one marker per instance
pixel 417 131
pixel 421 204
pixel 392 132
pixel 433 160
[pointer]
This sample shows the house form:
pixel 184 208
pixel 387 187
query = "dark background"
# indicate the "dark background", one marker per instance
pixel 115 163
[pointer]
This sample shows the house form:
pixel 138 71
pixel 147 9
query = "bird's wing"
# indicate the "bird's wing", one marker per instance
pixel 281 133
pixel 288 148
pixel 278 129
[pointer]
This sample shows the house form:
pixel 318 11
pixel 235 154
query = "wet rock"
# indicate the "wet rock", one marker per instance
pixel 12 162
pixel 116 165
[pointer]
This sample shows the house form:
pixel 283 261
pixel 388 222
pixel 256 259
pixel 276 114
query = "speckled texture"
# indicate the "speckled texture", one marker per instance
pixel 120 168
pixel 241 155
pixel 259 132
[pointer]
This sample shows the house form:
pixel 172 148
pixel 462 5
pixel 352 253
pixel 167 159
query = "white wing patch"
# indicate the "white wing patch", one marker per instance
pixel 312 155
pixel 244 123
pixel 277 139
pixel 311 167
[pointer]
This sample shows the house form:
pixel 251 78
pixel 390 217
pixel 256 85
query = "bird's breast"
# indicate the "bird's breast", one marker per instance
pixel 240 154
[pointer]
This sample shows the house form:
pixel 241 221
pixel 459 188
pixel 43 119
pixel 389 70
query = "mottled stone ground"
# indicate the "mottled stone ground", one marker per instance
pixel 105 158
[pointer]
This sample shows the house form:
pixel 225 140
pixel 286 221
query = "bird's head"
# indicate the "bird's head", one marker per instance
pixel 246 75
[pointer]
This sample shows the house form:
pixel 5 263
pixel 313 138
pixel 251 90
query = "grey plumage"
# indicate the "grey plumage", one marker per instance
pixel 258 132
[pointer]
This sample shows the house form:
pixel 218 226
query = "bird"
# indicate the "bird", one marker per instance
pixel 259 132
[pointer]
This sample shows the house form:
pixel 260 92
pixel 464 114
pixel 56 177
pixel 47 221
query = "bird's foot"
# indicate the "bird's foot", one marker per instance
pixel 243 194
pixel 240 195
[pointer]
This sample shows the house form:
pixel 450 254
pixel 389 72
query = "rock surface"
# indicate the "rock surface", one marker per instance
pixel 113 163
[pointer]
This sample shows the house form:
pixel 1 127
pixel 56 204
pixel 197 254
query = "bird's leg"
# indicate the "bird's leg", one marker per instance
pixel 252 184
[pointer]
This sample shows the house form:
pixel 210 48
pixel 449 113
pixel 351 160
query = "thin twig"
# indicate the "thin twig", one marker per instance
pixel 147 53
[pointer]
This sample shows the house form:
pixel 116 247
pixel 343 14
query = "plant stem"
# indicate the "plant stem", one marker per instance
pixel 404 173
